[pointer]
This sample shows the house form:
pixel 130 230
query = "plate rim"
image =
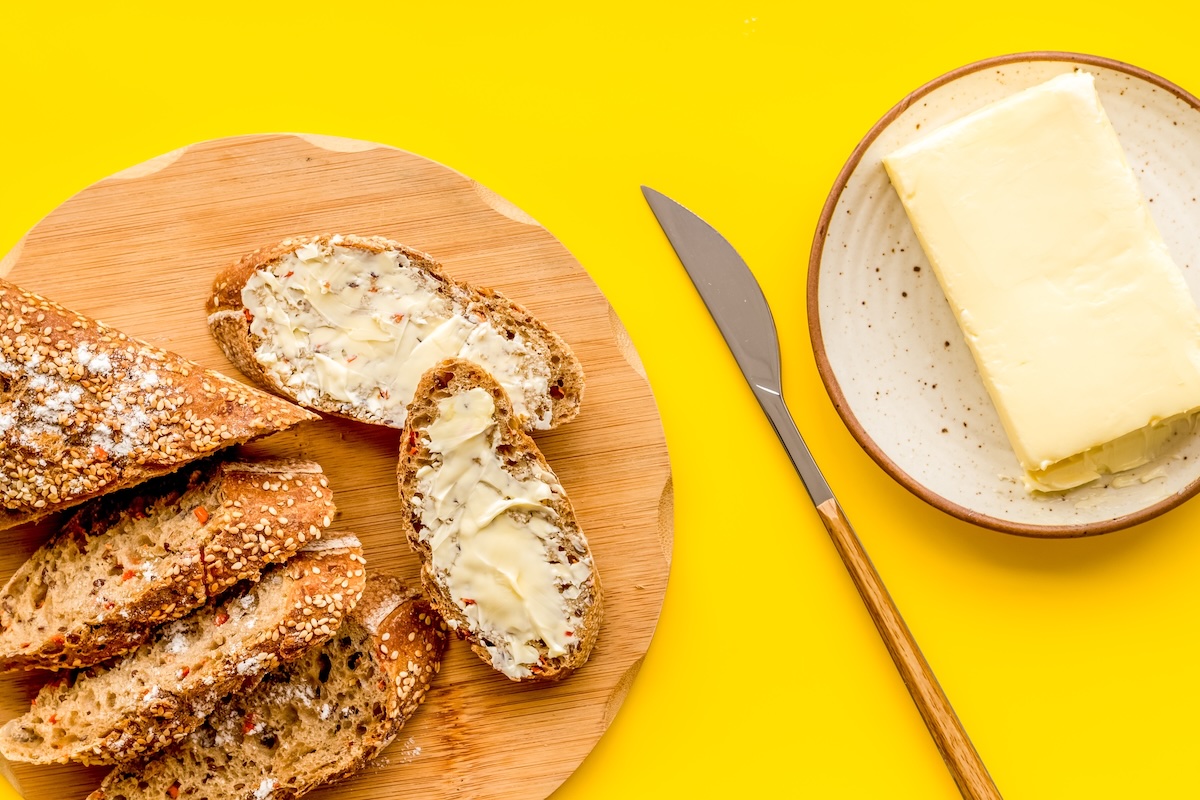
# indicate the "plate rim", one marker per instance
pixel 829 379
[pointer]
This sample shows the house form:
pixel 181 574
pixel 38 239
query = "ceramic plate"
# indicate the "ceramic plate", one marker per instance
pixel 887 345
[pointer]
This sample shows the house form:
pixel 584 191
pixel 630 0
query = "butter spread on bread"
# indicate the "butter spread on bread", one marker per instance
pixel 503 555
pixel 86 410
pixel 348 325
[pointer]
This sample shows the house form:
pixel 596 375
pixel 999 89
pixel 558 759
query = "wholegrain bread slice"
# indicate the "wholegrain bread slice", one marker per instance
pixel 126 563
pixel 163 691
pixel 503 557
pixel 347 325
pixel 316 720
pixel 86 410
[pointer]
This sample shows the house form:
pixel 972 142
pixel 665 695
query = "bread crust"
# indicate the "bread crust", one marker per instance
pixel 259 513
pixel 271 509
pixel 229 320
pixel 86 410
pixel 522 454
pixel 390 610
pixel 320 587
pixel 403 636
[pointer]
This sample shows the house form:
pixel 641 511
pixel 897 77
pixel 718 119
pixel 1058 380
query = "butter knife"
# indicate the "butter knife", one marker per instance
pixel 737 305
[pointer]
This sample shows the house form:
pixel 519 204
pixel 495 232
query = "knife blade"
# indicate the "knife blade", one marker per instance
pixel 737 304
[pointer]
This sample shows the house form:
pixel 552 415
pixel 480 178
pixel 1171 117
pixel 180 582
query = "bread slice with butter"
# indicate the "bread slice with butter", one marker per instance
pixel 86 410
pixel 348 324
pixel 165 689
pixel 124 564
pixel 503 556
pixel 315 720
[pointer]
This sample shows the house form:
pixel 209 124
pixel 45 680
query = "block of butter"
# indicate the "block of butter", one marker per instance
pixel 1081 324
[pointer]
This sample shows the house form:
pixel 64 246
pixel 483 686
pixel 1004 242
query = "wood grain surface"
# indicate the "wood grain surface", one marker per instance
pixel 139 251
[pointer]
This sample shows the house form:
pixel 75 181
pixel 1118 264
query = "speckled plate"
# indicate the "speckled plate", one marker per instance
pixel 887 345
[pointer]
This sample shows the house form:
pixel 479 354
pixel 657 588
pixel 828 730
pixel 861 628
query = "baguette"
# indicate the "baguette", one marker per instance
pixel 162 691
pixel 86 410
pixel 126 563
pixel 503 558
pixel 347 325
pixel 318 719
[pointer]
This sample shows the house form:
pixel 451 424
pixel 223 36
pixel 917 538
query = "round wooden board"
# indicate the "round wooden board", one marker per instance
pixel 139 251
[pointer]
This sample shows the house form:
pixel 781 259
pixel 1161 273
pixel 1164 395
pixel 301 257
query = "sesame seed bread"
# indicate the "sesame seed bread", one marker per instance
pixel 316 720
pixel 122 565
pixel 162 691
pixel 86 410
pixel 503 557
pixel 347 325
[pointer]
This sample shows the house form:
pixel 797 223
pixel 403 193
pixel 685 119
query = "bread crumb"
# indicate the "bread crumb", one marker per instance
pixel 409 750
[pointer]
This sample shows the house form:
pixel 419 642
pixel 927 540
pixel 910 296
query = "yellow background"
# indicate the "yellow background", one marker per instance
pixel 1071 663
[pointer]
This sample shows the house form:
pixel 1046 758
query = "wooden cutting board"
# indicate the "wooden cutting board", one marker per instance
pixel 139 251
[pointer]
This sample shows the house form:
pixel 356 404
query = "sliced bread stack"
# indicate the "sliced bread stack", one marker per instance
pixel 503 557
pixel 165 689
pixel 123 565
pixel 316 720
pixel 86 410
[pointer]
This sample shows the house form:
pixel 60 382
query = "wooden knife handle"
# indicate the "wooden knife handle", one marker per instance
pixel 952 741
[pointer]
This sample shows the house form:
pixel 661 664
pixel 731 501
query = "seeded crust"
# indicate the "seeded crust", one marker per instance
pixel 126 563
pixel 230 323
pixel 86 410
pixel 521 455
pixel 317 720
pixel 165 689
